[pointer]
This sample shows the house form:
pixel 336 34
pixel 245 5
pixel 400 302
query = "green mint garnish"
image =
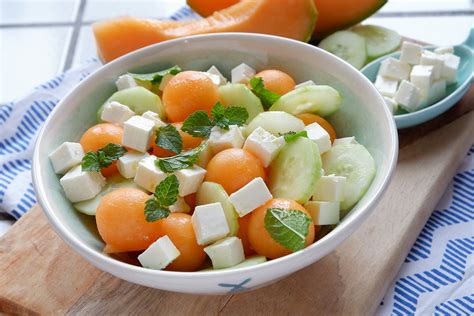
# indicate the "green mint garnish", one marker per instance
pixel 182 161
pixel 166 194
pixel 94 161
pixel 167 137
pixel 266 96
pixel 292 136
pixel 156 77
pixel 198 124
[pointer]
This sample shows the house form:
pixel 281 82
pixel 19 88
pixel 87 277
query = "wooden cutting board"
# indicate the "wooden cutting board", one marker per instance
pixel 40 274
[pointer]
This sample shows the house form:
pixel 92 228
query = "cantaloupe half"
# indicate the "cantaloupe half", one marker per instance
pixel 207 7
pixel 289 18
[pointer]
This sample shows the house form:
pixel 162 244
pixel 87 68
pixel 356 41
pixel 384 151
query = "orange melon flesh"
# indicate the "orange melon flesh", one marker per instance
pixel 208 7
pixel 288 18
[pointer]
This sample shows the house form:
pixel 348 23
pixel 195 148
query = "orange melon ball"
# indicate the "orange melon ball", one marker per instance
pixel 261 240
pixel 121 220
pixel 188 92
pixel 189 142
pixel 179 228
pixel 309 118
pixel 277 81
pixel 191 201
pixel 243 234
pixel 233 168
pixel 99 136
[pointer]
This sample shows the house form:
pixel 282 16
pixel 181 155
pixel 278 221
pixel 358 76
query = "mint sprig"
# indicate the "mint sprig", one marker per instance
pixel 168 137
pixel 94 161
pixel 292 136
pixel 266 96
pixel 166 194
pixel 156 77
pixel 182 161
pixel 198 124
pixel 287 227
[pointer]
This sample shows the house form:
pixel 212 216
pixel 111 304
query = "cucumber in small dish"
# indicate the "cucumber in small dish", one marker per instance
pixel 275 122
pixel 380 40
pixel 238 94
pixel 347 45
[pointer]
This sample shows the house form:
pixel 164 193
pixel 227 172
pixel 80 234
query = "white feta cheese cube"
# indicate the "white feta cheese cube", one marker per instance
pixel 324 212
pixel 394 69
pixel 437 91
pixel 242 73
pixel 386 86
pixel 408 96
pixel 305 84
pixel 411 53
pixel 127 164
pixel 159 254
pixel 319 136
pixel 152 116
pixel 81 185
pixel 190 179
pixel 137 133
pixel 329 188
pixel 264 145
pixel 204 156
pixel 422 77
pixel 117 113
pixel 125 82
pixel 444 50
pixel 391 104
pixel 214 71
pixel 164 81
pixel 214 78
pixel 450 67
pixel 66 156
pixel 250 196
pixel 209 223
pixel 180 206
pixel 221 139
pixel 429 58
pixel 344 140
pixel 226 253
pixel 148 175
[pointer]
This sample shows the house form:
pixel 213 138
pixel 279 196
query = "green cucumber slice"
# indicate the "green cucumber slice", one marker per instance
pixel 380 40
pixel 275 122
pixel 354 162
pixel 295 171
pixel 238 94
pixel 320 100
pixel 347 45
pixel 210 192
pixel 250 261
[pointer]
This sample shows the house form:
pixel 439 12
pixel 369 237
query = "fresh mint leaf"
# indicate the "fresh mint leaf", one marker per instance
pixel 218 112
pixel 156 77
pixel 154 211
pixel 90 162
pixel 266 96
pixel 94 161
pixel 166 192
pixel 181 161
pixel 113 151
pixel 287 227
pixel 236 115
pixel 198 124
pixel 168 137
pixel 292 136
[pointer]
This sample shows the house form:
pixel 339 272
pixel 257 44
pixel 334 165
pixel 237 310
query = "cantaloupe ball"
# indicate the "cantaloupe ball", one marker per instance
pixel 121 220
pixel 261 240
pixel 188 92
pixel 277 81
pixel 243 234
pixel 179 228
pixel 309 118
pixel 233 168
pixel 189 142
pixel 99 136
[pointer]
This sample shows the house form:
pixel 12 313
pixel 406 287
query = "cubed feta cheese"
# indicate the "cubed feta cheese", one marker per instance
pixel 221 139
pixel 148 175
pixel 209 223
pixel 391 104
pixel 242 73
pixel 81 185
pixel 264 145
pixel 344 140
pixel 437 91
pixel 164 81
pixel 429 58
pixel 66 156
pixel 214 78
pixel 250 196
pixel 214 71
pixel 127 164
pixel 226 253
pixel 422 77
pixel 204 156
pixel 159 254
pixel 329 188
pixel 190 179
pixel 411 53
pixel 319 136
pixel 137 133
pixel 408 96
pixel 444 50
pixel 305 84
pixel 152 116
pixel 394 69
pixel 115 112
pixel 180 206
pixel 324 212
pixel 386 86
pixel 125 82
pixel 450 67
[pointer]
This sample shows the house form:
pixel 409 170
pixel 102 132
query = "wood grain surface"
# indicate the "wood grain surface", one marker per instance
pixel 40 274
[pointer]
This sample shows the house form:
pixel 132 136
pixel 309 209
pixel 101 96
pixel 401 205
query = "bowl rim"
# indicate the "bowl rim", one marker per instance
pixel 100 260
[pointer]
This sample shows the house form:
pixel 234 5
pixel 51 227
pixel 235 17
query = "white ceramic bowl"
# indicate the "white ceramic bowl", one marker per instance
pixel 363 114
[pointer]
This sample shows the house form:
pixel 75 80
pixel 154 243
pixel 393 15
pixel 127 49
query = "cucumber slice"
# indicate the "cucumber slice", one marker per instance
pixel 238 94
pixel 210 192
pixel 380 40
pixel 320 100
pixel 295 171
pixel 89 207
pixel 275 122
pixel 250 261
pixel 138 99
pixel 347 45
pixel 354 162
